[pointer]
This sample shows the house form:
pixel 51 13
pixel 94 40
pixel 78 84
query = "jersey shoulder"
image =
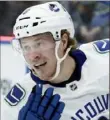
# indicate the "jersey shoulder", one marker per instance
pixel 98 46
pixel 16 97
pixel 97 64
pixel 20 90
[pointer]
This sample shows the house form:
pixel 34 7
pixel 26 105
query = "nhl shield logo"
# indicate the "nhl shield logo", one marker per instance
pixel 73 87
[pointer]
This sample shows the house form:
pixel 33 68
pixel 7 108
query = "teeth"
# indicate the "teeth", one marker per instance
pixel 37 65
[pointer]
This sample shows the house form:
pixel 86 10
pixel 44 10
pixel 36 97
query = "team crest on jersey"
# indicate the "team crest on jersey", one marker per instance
pixel 102 46
pixel 15 95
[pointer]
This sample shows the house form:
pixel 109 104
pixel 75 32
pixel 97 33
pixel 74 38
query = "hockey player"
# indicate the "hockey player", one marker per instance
pixel 65 82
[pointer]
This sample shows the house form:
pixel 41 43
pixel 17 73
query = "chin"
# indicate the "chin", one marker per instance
pixel 45 78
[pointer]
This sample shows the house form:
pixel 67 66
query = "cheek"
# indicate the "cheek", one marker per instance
pixel 51 56
pixel 27 57
pixel 53 63
pixel 60 52
pixel 51 53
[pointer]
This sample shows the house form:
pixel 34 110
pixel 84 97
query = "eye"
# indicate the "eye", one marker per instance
pixel 26 48
pixel 38 44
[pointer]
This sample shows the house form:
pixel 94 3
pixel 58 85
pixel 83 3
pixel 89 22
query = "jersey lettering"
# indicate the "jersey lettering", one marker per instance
pixel 93 108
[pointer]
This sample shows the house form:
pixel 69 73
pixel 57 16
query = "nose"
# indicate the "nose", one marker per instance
pixel 33 56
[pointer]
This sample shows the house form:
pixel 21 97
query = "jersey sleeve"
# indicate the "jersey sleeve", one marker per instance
pixel 16 98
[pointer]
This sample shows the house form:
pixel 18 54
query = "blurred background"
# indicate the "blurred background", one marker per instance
pixel 91 20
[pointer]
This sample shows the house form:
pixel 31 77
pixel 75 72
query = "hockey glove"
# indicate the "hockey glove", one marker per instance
pixel 38 107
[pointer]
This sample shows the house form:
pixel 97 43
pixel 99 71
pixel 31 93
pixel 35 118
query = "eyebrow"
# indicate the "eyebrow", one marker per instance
pixel 36 39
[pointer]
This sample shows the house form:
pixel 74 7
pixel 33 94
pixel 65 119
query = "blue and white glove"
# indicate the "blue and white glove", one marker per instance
pixel 38 107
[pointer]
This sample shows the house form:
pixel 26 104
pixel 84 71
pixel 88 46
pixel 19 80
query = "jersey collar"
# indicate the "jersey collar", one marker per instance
pixel 80 58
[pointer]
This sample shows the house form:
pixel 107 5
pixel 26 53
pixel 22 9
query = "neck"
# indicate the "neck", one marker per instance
pixel 67 68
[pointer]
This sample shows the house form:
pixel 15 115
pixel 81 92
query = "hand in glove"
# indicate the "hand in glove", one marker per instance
pixel 38 107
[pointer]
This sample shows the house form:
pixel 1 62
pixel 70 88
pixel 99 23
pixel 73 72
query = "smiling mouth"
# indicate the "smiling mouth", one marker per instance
pixel 38 66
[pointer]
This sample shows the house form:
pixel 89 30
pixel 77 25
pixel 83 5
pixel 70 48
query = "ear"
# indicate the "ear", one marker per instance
pixel 64 41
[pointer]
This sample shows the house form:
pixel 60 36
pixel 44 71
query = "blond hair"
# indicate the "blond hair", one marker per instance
pixel 71 41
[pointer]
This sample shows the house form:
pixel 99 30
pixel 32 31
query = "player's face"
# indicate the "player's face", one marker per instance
pixel 39 53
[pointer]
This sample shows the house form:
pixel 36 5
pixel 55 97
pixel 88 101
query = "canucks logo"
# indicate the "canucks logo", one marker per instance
pixel 102 46
pixel 53 7
pixel 15 95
